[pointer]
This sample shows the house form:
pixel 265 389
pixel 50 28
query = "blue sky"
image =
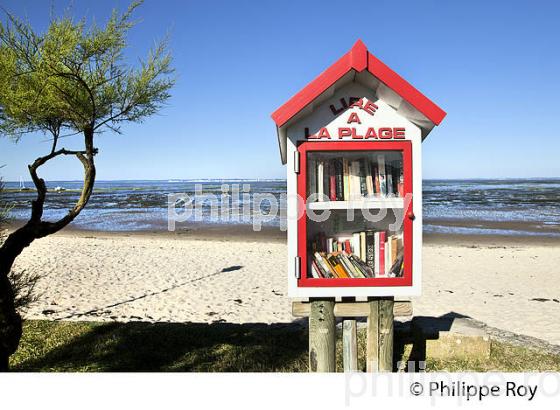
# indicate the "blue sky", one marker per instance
pixel 492 66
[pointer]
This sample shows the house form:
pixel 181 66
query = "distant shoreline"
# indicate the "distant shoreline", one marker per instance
pixel 245 233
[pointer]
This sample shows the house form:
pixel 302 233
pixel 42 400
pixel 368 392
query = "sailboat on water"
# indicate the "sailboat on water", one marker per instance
pixel 22 186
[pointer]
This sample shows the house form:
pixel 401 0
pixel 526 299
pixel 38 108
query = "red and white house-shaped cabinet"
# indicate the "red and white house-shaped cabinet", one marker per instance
pixel 351 140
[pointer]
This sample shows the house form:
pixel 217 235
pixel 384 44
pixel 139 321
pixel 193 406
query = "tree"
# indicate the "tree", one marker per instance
pixel 23 282
pixel 72 80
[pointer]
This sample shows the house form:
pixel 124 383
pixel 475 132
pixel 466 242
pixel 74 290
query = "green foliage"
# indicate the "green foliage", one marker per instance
pixel 75 76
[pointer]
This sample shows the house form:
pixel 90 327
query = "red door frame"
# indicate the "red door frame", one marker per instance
pixel 307 146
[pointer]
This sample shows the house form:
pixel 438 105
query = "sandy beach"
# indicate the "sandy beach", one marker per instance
pixel 239 276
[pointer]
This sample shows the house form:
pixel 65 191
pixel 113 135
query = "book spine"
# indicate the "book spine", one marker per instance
pixel 332 182
pixel 315 270
pixel 369 179
pixel 382 177
pixel 362 176
pixel 346 179
pixel 376 180
pixel 389 176
pixel 355 180
pixel 376 254
pixel 396 176
pixel 356 244
pixel 381 246
pixel 320 169
pixel 339 177
pixel 337 266
pixel 348 267
pixel 369 257
pixel 363 245
pixel 347 246
pixel 312 184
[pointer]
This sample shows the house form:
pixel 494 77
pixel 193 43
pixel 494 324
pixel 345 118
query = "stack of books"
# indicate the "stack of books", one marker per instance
pixel 366 254
pixel 343 179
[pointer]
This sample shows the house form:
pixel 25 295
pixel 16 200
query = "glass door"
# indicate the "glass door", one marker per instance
pixel 356 229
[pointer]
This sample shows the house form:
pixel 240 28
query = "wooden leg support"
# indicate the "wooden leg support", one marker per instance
pixel 380 335
pixel 322 336
pixel 350 345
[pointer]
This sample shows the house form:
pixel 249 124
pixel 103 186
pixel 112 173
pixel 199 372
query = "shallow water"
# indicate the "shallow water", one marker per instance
pixel 450 206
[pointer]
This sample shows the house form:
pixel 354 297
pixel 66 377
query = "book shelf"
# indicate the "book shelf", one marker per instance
pixel 365 203
pixel 355 231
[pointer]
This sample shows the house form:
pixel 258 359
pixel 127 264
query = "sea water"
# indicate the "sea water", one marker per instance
pixel 490 206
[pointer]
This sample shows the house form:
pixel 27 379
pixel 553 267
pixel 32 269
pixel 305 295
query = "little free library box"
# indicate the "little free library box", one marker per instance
pixel 352 142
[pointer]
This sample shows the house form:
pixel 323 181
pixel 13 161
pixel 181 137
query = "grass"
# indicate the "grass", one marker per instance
pixel 218 347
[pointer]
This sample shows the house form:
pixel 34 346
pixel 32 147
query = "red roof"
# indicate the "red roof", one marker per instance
pixel 358 59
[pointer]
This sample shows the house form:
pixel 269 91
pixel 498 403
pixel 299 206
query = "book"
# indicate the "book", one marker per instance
pixel 362 244
pixel 362 176
pixel 332 182
pixel 339 179
pixel 337 265
pixel 389 176
pixel 320 177
pixel 369 256
pixel 315 270
pixel 397 269
pixel 312 177
pixel 396 176
pixel 369 179
pixel 356 248
pixel 366 271
pixel 376 182
pixel 354 178
pixel 381 250
pixel 349 267
pixel 323 265
pixel 394 248
pixel 346 179
pixel 382 176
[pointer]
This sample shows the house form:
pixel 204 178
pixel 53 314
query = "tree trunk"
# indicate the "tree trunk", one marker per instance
pixel 10 320
pixel 17 241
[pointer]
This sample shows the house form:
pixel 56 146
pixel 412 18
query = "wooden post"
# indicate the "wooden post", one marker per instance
pixel 322 336
pixel 372 343
pixel 380 335
pixel 386 327
pixel 349 346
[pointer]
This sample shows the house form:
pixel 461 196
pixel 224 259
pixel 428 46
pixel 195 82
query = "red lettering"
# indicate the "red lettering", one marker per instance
pixel 385 133
pixel 356 136
pixel 357 103
pixel 337 111
pixel 344 132
pixel 353 118
pixel 370 134
pixel 323 133
pixel 370 108
pixel 398 133
pixel 309 136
